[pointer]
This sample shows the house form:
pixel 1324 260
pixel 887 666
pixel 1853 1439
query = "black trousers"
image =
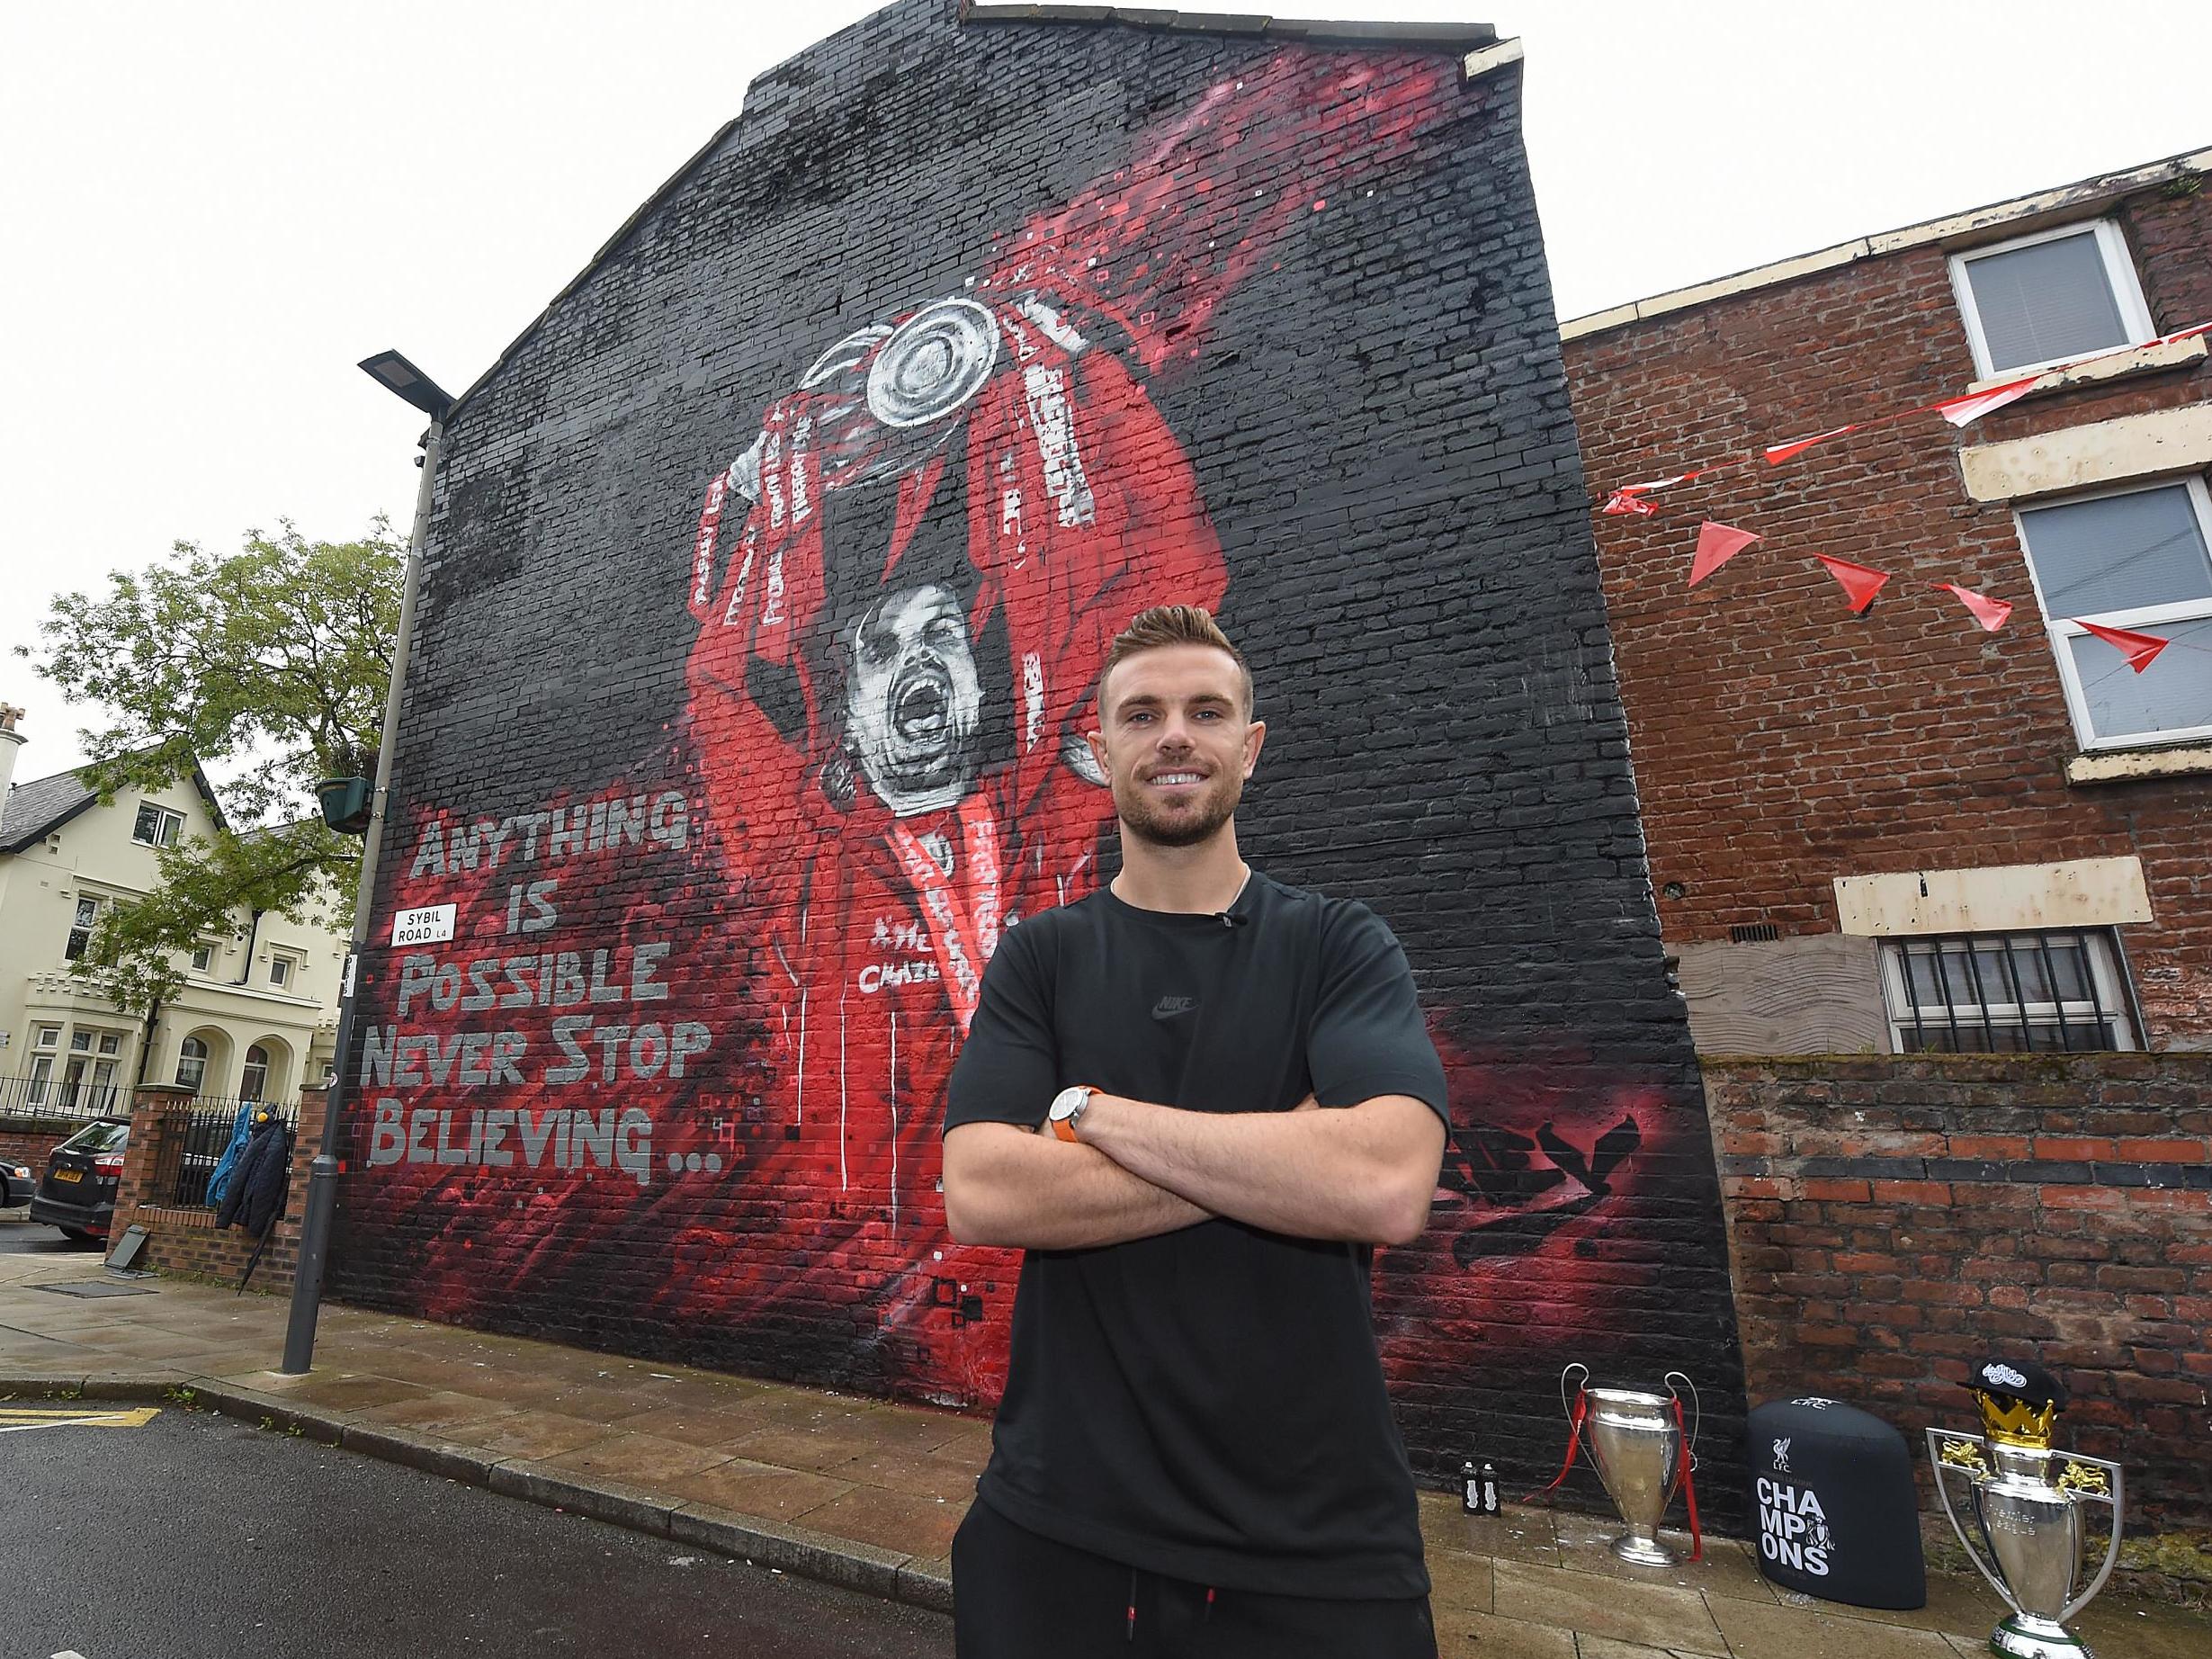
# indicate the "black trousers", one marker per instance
pixel 1020 1596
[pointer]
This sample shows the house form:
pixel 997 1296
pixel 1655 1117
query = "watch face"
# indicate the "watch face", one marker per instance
pixel 1068 1102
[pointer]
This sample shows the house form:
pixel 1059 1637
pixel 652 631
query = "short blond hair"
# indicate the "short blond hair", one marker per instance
pixel 1174 624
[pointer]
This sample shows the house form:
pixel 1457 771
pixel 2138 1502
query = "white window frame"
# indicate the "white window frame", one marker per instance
pixel 2103 958
pixel 2119 270
pixel 169 822
pixel 291 965
pixel 206 948
pixel 77 924
pixel 199 1063
pixel 2141 617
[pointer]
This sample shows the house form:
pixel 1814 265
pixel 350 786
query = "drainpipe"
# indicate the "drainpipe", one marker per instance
pixel 307 1284
pixel 253 938
pixel 146 1044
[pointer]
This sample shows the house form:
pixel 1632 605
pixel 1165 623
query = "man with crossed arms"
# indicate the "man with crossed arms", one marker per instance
pixel 1197 1099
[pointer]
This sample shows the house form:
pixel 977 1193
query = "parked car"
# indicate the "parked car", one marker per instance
pixel 15 1183
pixel 78 1193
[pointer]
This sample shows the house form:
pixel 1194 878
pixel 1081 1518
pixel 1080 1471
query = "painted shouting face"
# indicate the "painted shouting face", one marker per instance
pixel 1176 742
pixel 913 705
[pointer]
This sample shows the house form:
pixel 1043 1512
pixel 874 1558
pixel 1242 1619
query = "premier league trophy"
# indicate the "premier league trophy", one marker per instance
pixel 2023 1503
pixel 1636 1440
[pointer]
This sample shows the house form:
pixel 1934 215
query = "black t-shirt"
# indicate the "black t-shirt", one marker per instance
pixel 1207 1403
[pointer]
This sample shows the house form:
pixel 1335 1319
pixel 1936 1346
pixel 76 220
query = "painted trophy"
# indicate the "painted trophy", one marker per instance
pixel 1638 1443
pixel 2024 1502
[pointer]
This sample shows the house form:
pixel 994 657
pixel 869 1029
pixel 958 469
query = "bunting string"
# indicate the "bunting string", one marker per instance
pixel 1717 543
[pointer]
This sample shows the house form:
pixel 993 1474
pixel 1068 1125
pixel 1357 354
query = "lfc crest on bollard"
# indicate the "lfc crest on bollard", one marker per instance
pixel 2023 1503
pixel 1642 1452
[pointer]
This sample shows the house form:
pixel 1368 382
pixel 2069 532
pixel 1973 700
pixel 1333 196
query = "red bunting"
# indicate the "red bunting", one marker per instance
pixel 1716 545
pixel 2141 649
pixel 1989 613
pixel 1974 405
pixel 1628 501
pixel 1861 581
pixel 1776 454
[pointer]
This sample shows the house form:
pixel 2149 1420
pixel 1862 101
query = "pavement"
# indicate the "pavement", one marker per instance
pixel 867 1494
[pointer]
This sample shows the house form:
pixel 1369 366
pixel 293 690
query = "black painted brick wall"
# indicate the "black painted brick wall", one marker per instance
pixel 1380 427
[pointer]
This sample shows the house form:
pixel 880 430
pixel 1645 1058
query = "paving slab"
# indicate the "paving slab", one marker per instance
pixel 1485 1636
pixel 1728 1568
pixel 918 1475
pixel 1605 1648
pixel 531 1434
pixel 894 1521
pixel 642 1459
pixel 430 1413
pixel 1461 1583
pixel 820 1450
pixel 760 1489
pixel 1656 1615
pixel 1775 1632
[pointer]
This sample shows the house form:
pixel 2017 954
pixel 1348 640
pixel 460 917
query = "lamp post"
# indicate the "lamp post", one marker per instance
pixel 397 375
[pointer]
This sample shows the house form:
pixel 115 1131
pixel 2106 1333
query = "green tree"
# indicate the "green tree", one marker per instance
pixel 268 666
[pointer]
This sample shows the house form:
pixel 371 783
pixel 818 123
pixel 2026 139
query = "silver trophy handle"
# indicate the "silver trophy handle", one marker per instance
pixel 2118 1480
pixel 1566 1404
pixel 1696 1409
pixel 1937 1440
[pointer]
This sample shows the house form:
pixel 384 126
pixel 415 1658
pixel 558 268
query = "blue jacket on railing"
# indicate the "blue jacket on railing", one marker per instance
pixel 227 1165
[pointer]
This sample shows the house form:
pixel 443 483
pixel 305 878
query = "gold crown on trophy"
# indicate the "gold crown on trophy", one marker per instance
pixel 2020 1402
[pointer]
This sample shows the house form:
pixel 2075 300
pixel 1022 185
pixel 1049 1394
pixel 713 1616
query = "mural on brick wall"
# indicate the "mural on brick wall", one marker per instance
pixel 684 1054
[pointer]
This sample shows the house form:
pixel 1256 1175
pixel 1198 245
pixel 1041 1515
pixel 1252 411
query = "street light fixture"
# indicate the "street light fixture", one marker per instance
pixel 401 376
pixel 397 375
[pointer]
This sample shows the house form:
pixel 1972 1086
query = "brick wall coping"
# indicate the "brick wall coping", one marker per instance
pixel 2128 1062
pixel 1456 37
pixel 2066 199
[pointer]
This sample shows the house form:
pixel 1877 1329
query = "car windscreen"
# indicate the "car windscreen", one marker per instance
pixel 97 1138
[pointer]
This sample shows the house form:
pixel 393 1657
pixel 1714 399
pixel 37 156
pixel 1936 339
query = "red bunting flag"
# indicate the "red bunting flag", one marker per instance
pixel 2140 649
pixel 1776 454
pixel 1716 545
pixel 1989 613
pixel 1628 501
pixel 1861 581
pixel 1663 483
pixel 1972 406
pixel 1992 613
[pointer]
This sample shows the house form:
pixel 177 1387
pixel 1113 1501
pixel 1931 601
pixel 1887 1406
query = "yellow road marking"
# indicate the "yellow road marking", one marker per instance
pixel 14 1419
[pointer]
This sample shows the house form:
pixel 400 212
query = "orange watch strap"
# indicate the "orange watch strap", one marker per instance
pixel 1064 1130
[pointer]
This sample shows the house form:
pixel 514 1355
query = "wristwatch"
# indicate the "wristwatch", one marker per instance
pixel 1067 1107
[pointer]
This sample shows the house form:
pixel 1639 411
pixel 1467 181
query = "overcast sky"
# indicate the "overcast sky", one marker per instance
pixel 210 211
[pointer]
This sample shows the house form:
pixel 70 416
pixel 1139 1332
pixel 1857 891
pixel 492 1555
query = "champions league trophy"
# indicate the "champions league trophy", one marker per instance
pixel 2024 1500
pixel 1637 1442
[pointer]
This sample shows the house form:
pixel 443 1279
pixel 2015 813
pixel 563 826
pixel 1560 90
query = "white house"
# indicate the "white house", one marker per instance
pixel 257 1015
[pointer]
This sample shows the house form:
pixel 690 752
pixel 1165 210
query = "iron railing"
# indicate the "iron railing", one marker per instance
pixel 53 1100
pixel 195 1133
pixel 2055 990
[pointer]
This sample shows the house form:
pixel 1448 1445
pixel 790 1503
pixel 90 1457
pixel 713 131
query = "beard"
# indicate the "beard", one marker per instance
pixel 1183 825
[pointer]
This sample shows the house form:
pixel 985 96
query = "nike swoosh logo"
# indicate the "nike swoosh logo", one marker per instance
pixel 1167 1008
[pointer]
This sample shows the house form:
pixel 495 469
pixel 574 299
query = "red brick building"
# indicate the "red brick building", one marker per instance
pixel 1942 852
pixel 1783 746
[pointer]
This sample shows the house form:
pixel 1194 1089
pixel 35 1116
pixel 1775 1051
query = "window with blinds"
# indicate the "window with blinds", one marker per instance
pixel 2050 297
pixel 2136 559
